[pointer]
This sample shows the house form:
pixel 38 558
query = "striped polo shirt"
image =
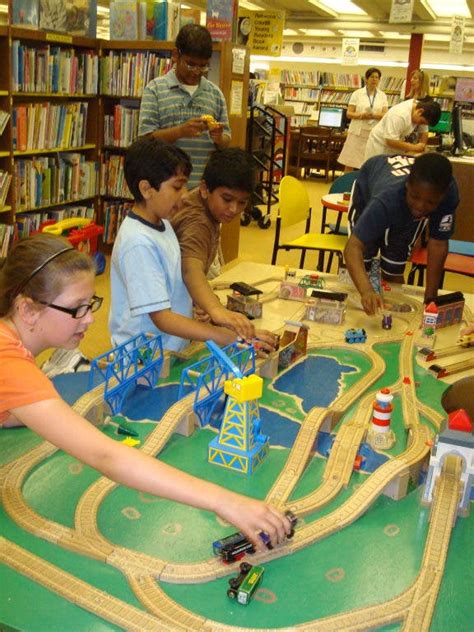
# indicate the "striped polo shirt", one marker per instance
pixel 166 103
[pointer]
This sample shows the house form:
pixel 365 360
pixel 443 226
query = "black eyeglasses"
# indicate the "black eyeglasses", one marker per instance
pixel 80 311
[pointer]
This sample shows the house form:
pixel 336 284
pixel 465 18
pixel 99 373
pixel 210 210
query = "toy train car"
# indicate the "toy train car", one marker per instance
pixel 355 335
pixel 467 340
pixel 235 546
pixel 245 584
pixel 438 371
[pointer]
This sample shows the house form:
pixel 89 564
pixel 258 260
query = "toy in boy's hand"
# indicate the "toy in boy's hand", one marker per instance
pixel 234 547
pixel 210 121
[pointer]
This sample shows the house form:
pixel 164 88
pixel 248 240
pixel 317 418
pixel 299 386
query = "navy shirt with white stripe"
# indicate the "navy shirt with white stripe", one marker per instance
pixel 166 103
pixel 379 202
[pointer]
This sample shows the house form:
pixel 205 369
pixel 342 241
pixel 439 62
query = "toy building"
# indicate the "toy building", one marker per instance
pixel 296 290
pixel 293 344
pixel 245 299
pixel 457 439
pixel 450 309
pixel 326 307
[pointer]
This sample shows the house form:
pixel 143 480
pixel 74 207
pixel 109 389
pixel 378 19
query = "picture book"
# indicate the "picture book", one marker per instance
pixel 25 13
pixel 167 20
pixel 123 21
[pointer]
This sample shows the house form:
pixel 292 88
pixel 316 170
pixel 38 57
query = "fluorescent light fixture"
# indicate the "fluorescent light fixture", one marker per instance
pixel 318 32
pixel 394 35
pixel 251 6
pixel 3 8
pixel 444 9
pixel 436 37
pixel 103 11
pixel 323 7
pixel 257 59
pixel 343 6
pixel 357 33
pixel 287 32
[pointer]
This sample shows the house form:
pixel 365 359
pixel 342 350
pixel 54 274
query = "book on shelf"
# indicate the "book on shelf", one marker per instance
pixel 167 20
pixel 5 181
pixel 222 19
pixel 8 234
pixel 123 20
pixel 25 13
pixel 4 116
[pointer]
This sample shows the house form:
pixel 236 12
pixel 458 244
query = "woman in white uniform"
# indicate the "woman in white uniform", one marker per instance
pixel 366 107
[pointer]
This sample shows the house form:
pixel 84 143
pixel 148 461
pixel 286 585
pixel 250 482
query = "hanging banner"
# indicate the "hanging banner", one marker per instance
pixel 457 35
pixel 350 51
pixel 401 11
pixel 261 31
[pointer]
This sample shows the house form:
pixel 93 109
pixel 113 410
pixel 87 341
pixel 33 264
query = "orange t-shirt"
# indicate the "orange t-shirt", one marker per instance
pixel 21 381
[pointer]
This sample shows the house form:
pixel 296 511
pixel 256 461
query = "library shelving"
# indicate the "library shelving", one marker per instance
pixel 49 148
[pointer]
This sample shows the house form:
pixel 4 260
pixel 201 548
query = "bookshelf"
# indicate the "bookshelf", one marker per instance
pixel 49 87
pixel 76 100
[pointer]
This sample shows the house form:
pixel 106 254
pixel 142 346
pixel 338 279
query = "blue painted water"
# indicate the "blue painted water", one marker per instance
pixel 316 381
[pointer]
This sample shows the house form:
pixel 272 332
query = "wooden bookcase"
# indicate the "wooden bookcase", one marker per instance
pixel 50 144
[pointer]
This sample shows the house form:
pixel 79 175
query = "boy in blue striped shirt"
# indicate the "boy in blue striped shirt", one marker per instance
pixel 183 107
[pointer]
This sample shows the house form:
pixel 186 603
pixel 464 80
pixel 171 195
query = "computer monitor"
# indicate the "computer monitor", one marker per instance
pixel 458 145
pixel 333 117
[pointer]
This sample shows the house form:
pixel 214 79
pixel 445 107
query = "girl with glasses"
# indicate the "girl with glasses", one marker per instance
pixel 47 300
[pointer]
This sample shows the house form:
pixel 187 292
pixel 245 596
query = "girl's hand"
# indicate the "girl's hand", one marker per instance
pixel 252 517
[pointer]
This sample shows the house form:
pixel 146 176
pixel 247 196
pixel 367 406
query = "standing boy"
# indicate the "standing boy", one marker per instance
pixel 404 129
pixel 223 194
pixel 148 293
pixel 183 107
pixel 394 198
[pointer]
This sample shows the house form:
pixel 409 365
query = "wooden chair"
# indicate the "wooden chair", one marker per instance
pixel 293 208
pixel 314 150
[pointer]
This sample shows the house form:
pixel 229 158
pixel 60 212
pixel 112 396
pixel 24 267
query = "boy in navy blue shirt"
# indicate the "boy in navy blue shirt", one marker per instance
pixel 394 198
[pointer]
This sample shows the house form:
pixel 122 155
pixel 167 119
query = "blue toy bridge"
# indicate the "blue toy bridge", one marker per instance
pixel 122 367
pixel 207 376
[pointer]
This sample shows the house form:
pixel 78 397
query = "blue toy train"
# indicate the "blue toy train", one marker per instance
pixel 355 335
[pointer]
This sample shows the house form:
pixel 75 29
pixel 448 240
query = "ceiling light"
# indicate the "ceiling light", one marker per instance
pixel 103 11
pixel 320 5
pixel 287 32
pixel 394 35
pixel 3 8
pixel 318 32
pixel 357 33
pixel 343 6
pixel 246 4
pixel 436 37
pixel 447 9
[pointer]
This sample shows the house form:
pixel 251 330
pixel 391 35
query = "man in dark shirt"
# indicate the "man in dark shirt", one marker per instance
pixel 394 198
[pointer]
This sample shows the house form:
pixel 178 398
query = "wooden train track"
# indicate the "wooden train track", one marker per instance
pixel 415 605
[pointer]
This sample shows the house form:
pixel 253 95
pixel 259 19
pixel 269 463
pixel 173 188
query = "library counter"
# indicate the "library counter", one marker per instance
pixel 93 555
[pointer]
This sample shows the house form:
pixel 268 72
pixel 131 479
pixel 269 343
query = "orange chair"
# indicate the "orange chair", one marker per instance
pixel 461 264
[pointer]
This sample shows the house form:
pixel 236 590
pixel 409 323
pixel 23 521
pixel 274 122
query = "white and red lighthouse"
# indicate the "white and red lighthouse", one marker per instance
pixel 380 435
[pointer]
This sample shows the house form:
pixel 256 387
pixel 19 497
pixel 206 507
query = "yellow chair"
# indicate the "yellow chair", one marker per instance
pixel 293 208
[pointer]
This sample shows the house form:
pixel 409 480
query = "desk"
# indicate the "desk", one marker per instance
pixel 352 549
pixel 333 202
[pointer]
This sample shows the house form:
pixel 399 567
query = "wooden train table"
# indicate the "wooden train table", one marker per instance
pixel 80 553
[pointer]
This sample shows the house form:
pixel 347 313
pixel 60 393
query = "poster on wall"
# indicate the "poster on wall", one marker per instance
pixel 221 19
pixel 464 89
pixel 350 50
pixel 401 11
pixel 457 35
pixel 261 31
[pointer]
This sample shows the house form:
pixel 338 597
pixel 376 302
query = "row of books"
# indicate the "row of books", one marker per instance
pixel 299 121
pixel 112 181
pixel 127 73
pixel 5 181
pixel 301 77
pixel 121 127
pixel 114 214
pixel 47 126
pixel 445 103
pixel 46 180
pixel 302 107
pixel 303 94
pixel 7 237
pixel 391 83
pixel 335 96
pixel 52 69
pixel 27 223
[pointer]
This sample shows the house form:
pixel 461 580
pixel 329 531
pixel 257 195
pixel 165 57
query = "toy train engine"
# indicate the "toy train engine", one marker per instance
pixel 242 300
pixel 355 335
pixel 235 546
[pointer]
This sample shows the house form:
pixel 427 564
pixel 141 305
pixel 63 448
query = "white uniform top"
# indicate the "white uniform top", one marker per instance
pixel 360 99
pixel 395 125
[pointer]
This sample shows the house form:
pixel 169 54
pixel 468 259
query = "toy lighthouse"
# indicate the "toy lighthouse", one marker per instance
pixel 380 435
pixel 428 326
